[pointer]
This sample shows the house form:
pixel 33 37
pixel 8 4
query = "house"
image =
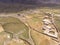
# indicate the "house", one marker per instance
pixel 51 33
pixel 46 21
pixel 47 27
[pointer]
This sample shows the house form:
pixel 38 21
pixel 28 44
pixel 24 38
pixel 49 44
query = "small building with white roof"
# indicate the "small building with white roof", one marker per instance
pixel 46 21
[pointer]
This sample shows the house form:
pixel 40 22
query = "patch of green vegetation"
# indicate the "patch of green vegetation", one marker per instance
pixel 24 35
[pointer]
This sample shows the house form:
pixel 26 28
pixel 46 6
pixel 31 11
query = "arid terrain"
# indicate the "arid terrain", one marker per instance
pixel 25 27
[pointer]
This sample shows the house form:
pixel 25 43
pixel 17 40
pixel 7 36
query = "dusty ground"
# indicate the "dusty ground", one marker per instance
pixel 41 39
pixel 1 28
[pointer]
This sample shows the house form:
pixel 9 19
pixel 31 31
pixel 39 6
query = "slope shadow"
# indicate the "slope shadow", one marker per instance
pixel 17 7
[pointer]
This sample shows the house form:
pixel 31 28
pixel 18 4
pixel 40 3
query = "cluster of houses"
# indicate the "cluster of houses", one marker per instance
pixel 48 27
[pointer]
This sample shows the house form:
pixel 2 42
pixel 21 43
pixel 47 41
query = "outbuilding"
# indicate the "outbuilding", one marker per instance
pixel 46 21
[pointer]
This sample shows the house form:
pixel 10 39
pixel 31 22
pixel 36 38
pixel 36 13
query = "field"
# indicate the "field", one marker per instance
pixel 14 26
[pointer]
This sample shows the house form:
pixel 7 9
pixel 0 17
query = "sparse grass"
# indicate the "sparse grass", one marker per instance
pixel 14 25
pixel 9 20
pixel 57 22
pixel 25 34
pixel 36 22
